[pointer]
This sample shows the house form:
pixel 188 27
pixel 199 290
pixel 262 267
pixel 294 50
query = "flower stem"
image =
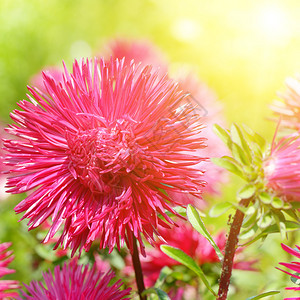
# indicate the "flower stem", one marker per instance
pixel 138 269
pixel 230 249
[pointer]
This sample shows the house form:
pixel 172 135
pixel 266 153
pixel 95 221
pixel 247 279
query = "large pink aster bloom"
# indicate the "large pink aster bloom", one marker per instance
pixel 281 168
pixel 74 282
pixel 293 266
pixel 99 152
pixel 192 243
pixel 6 286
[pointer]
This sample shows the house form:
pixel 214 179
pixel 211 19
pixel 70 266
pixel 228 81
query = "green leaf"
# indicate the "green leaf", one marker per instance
pixel 247 191
pixel 296 204
pixel 250 218
pixel 221 133
pixel 186 260
pixel 164 273
pixel 289 226
pixel 260 141
pixel 265 221
pixel 277 203
pixel 161 295
pixel 44 252
pixel 265 198
pixel 197 223
pixel 229 164
pixel 263 295
pixel 219 209
pixel 239 154
pixel 238 137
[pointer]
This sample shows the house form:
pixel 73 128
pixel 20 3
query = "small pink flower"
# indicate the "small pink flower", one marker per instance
pixel 6 286
pixel 99 151
pixel 293 266
pixel 192 243
pixel 281 168
pixel 74 282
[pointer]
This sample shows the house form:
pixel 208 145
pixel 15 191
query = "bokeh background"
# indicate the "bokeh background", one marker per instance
pixel 243 50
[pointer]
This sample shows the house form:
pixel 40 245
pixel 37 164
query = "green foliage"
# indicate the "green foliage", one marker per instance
pixel 156 294
pixel 198 224
pixel 186 260
pixel 263 295
pixel 248 151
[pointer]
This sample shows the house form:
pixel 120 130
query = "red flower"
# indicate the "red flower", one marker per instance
pixel 192 243
pixel 74 282
pixel 99 152
pixel 140 51
pixel 293 266
pixel 6 258
pixel 281 168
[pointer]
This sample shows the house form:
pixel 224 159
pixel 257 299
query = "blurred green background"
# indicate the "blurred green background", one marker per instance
pixel 243 50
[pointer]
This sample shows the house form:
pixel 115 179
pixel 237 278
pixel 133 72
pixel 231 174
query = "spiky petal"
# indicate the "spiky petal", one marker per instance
pixel 6 286
pixel 293 266
pixel 74 282
pixel 100 151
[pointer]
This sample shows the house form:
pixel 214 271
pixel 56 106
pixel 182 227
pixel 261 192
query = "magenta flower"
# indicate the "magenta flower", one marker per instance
pixel 74 282
pixel 99 152
pixel 192 243
pixel 281 168
pixel 6 286
pixel 293 266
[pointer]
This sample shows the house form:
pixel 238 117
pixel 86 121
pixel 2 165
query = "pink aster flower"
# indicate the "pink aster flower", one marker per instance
pixel 293 266
pixel 281 168
pixel 192 243
pixel 6 286
pixel 141 51
pixel 99 152
pixel 289 110
pixel 74 282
